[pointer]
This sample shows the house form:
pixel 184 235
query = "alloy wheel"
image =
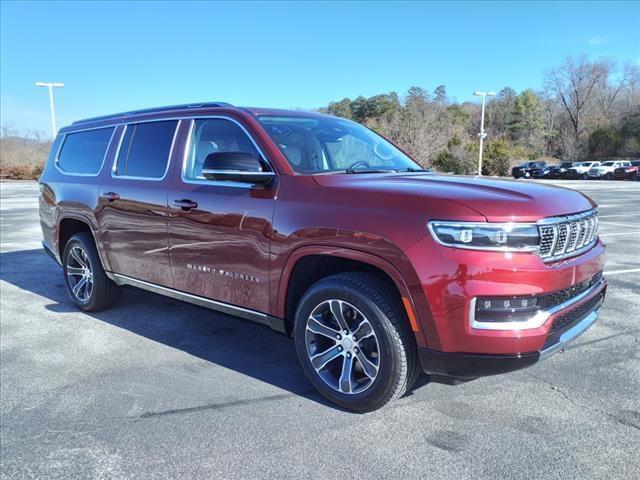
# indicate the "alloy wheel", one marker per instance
pixel 79 274
pixel 342 346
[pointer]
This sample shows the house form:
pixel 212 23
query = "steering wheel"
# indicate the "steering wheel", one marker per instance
pixel 357 164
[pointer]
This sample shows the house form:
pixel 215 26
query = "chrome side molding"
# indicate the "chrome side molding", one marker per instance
pixel 275 323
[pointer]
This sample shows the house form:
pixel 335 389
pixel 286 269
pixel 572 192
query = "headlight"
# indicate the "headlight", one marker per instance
pixel 506 237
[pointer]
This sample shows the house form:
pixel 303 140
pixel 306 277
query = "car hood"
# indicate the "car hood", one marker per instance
pixel 497 200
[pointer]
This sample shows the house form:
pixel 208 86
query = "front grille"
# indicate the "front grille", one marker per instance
pixel 577 314
pixel 553 299
pixel 563 237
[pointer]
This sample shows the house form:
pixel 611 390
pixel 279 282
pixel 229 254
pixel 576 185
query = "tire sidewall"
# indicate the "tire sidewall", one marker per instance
pixel 384 332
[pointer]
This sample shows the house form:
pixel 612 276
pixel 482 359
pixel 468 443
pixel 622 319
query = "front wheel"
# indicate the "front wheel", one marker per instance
pixel 353 343
pixel 527 175
pixel 609 176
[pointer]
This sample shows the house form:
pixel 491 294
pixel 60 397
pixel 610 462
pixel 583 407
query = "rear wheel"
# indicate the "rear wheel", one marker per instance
pixel 87 284
pixel 353 343
pixel 609 176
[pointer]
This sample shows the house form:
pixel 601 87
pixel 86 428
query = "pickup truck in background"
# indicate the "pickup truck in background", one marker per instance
pixel 579 170
pixel 630 172
pixel 605 170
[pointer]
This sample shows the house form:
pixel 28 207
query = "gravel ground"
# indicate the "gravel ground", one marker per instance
pixel 160 389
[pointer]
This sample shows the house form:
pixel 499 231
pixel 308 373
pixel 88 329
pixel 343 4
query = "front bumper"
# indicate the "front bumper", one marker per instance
pixel 469 366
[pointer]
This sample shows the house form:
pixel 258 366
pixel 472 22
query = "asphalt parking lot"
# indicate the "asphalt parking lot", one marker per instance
pixel 160 389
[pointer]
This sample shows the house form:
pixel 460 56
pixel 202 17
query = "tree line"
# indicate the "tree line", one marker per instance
pixel 585 110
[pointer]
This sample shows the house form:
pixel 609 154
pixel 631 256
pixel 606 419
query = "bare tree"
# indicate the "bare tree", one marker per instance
pixel 574 83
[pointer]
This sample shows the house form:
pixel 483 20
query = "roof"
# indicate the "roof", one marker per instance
pixel 170 108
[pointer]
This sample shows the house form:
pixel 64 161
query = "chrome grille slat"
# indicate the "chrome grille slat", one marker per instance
pixel 563 237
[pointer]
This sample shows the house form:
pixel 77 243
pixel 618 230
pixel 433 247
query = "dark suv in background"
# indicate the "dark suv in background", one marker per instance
pixel 526 169
pixel 321 229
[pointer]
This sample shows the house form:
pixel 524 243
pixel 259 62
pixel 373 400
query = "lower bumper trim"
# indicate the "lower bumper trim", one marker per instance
pixel 475 365
pixel 469 366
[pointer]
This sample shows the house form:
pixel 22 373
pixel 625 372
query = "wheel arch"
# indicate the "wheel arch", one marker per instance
pixel 309 264
pixel 70 225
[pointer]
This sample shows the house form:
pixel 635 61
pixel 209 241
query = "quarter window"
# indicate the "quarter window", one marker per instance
pixel 83 152
pixel 211 136
pixel 145 149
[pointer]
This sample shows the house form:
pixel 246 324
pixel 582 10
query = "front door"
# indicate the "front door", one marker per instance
pixel 132 211
pixel 220 231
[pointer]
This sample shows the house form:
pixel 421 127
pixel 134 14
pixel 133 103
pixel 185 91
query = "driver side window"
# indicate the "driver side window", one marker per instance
pixel 215 135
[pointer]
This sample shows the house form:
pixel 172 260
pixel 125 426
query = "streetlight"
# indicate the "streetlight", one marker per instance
pixel 50 85
pixel 482 133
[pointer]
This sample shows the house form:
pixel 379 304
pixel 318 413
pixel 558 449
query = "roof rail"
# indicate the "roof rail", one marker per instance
pixel 154 110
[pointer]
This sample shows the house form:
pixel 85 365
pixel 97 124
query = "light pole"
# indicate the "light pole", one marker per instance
pixel 482 133
pixel 50 85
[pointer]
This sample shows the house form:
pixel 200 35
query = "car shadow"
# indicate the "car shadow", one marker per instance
pixel 240 345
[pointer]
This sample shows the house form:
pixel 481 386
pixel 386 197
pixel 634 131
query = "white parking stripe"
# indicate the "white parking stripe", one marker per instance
pixel 621 215
pixel 619 233
pixel 626 225
pixel 615 272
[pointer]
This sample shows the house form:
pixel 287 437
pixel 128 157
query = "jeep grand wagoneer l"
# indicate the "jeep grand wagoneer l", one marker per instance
pixel 323 230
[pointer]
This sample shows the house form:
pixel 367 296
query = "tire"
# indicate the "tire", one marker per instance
pixel 80 262
pixel 527 175
pixel 388 344
pixel 584 176
pixel 609 176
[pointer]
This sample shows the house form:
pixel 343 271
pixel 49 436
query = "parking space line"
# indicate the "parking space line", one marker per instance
pixel 636 232
pixel 619 215
pixel 600 222
pixel 615 272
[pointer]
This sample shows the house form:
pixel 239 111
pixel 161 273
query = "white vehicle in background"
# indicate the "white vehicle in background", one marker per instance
pixel 605 170
pixel 580 170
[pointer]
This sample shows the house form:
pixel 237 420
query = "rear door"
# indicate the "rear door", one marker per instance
pixel 132 211
pixel 220 231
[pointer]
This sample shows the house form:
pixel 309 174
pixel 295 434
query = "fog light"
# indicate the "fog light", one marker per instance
pixel 505 309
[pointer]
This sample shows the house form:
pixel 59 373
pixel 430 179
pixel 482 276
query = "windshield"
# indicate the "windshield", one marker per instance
pixel 608 164
pixel 328 144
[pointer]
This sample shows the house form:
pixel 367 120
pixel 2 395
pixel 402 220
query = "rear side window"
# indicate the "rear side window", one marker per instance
pixel 82 153
pixel 145 149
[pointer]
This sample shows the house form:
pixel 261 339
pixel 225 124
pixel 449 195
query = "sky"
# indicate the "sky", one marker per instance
pixel 118 56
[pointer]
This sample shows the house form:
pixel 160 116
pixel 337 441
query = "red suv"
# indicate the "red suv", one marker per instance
pixel 321 229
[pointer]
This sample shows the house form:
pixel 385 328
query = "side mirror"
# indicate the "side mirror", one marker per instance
pixel 235 167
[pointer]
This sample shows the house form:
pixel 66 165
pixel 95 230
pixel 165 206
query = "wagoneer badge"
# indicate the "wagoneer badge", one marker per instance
pixel 220 271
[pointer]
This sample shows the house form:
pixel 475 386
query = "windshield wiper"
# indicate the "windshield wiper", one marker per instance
pixel 352 171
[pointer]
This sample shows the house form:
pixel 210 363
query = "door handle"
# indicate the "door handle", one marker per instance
pixel 185 204
pixel 110 196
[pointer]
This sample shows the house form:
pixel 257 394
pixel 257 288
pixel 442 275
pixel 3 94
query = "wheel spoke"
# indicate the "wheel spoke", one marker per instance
pixel 346 375
pixel 369 368
pixel 336 310
pixel 77 257
pixel 78 286
pixel 320 360
pixel 364 330
pixel 75 270
pixel 88 289
pixel 315 326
